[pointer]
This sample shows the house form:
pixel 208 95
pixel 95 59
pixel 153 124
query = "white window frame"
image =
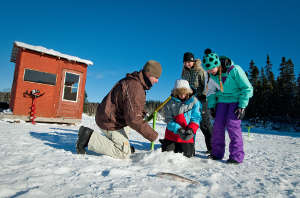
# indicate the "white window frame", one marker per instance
pixel 63 93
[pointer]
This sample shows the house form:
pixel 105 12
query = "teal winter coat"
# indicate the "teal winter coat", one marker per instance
pixel 236 88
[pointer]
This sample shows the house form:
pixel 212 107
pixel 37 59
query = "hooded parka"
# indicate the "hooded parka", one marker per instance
pixel 124 106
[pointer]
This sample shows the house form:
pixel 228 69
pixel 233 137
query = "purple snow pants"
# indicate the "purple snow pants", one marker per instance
pixel 226 119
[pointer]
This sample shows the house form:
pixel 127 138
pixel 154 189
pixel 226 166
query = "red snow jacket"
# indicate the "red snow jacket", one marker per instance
pixel 182 115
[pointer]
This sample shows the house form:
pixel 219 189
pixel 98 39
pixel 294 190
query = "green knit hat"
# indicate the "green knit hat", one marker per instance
pixel 153 68
pixel 210 60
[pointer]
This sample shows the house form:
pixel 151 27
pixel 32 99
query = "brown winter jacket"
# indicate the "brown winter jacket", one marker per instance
pixel 124 106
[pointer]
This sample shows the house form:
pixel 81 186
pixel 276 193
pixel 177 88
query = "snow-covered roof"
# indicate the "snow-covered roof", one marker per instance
pixel 18 45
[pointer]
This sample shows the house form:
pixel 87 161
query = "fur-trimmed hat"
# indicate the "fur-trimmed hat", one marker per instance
pixel 210 60
pixel 181 87
pixel 153 68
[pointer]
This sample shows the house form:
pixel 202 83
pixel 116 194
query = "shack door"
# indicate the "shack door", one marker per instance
pixel 69 103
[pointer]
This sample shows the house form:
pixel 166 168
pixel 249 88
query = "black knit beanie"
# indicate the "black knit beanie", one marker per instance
pixel 188 57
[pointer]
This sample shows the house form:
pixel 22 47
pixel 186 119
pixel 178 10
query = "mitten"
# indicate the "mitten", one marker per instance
pixel 181 131
pixel 240 113
pixel 187 135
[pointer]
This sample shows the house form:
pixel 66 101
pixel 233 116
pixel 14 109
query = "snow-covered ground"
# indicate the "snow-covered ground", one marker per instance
pixel 41 161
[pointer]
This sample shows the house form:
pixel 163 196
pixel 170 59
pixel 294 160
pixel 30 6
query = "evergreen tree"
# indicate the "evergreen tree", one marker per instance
pixel 252 111
pixel 264 99
pixel 298 86
pixel 281 86
pixel 297 109
pixel 287 88
pixel 268 68
pixel 283 72
pixel 258 97
pixel 254 72
pixel 263 79
pixel 290 92
pixel 291 76
pixel 269 85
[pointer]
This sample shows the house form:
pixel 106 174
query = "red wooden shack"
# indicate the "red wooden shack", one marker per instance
pixel 59 78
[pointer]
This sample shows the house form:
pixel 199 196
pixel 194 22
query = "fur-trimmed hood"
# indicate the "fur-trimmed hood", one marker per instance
pixel 197 66
pixel 181 91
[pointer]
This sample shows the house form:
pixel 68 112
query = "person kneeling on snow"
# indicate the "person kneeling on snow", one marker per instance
pixel 182 114
pixel 123 106
pixel 229 91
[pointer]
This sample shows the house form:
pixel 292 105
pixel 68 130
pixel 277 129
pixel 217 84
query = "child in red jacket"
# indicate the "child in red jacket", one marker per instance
pixel 182 114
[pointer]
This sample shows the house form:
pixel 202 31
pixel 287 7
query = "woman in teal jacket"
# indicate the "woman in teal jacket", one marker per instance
pixel 229 91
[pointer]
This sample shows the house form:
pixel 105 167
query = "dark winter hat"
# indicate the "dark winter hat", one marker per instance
pixel 188 57
pixel 153 68
pixel 210 60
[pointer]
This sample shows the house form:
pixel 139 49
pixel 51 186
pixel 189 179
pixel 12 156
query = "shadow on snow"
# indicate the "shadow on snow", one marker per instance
pixel 57 139
pixel 270 132
pixel 66 141
pixel 145 146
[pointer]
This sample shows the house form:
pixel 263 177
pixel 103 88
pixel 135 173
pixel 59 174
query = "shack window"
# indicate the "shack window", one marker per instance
pixel 39 77
pixel 71 86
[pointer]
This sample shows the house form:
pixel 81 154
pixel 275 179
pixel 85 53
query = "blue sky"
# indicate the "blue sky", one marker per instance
pixel 120 36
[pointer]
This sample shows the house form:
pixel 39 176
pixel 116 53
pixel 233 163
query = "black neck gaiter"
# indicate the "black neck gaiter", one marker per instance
pixel 147 81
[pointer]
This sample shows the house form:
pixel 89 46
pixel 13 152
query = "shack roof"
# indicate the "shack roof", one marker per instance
pixel 18 45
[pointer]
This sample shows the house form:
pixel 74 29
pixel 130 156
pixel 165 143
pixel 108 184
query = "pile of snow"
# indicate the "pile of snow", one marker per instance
pixel 41 161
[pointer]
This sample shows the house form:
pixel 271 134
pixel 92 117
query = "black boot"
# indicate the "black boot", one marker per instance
pixel 232 161
pixel 213 157
pixel 167 145
pixel 132 149
pixel 84 135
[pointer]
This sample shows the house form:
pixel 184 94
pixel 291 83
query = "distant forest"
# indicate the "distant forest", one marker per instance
pixel 274 99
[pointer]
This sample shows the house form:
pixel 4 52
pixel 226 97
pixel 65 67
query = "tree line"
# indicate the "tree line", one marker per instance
pixel 274 99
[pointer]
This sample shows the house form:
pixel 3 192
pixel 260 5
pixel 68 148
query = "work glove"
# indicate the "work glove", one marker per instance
pixel 187 134
pixel 212 112
pixel 240 113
